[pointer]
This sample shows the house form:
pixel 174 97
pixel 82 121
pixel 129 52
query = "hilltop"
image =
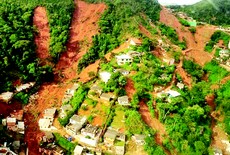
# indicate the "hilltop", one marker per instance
pixel 215 12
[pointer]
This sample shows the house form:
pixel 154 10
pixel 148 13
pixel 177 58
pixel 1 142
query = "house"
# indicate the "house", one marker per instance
pixel 134 42
pixel 72 90
pixel 96 89
pixel 11 123
pixel 6 96
pixel 139 139
pixel 134 53
pixel 122 71
pixel 90 131
pixel 180 85
pixel 21 127
pixel 64 110
pixel 224 53
pixel 164 77
pixel 229 44
pixel 120 137
pixel 50 113
pixel 173 93
pixel 44 124
pixel 48 137
pixel 105 76
pixel 76 119
pixel 110 136
pixel 105 96
pixel 123 100
pixel 75 124
pixel 119 150
pixel 25 86
pixel 78 150
pixel 124 58
pixel 171 61
pixel 66 98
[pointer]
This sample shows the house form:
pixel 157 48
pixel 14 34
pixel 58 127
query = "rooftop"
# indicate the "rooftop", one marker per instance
pixel 75 86
pixel 66 107
pixel 50 111
pixel 43 122
pixel 110 134
pixel 105 76
pixel 173 93
pixel 6 96
pixel 79 119
pixel 124 56
pixel 96 88
pixel 139 137
pixel 10 120
pixel 78 150
pixel 25 86
pixel 90 129
pixel 105 95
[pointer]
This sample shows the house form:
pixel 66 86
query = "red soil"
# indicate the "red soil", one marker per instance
pixel 129 88
pixel 83 27
pixel 40 20
pixel 194 42
pixel 6 109
pixel 152 122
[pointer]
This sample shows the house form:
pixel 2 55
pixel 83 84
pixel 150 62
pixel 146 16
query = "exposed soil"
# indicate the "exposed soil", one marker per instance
pixel 6 109
pixel 40 20
pixel 194 42
pixel 83 27
pixel 129 88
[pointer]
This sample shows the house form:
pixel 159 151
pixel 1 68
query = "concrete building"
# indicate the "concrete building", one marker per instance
pixel 109 137
pixel 123 100
pixel 90 131
pixel 139 139
pixel 78 150
pixel 105 96
pixel 75 124
pixel 44 124
pixel 25 86
pixel 64 110
pixel 105 76
pixel 124 58
pixel 50 113
pixel 6 96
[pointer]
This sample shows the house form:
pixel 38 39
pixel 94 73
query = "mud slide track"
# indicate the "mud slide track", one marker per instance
pixel 40 20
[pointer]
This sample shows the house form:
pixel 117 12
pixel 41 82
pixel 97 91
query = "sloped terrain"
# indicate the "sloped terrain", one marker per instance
pixel 85 17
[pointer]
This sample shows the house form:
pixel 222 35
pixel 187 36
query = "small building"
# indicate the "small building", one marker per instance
pixel 124 58
pixel 78 150
pixel 173 93
pixel 21 127
pixel 139 139
pixel 229 44
pixel 105 76
pixel 11 123
pixel 6 96
pixel 66 98
pixel 72 90
pixel 134 42
pixel 171 62
pixel 122 71
pixel 44 124
pixel 180 85
pixel 75 124
pixel 25 86
pixel 96 89
pixel 64 110
pixel 120 137
pixel 48 137
pixel 217 151
pixel 123 100
pixel 76 119
pixel 90 131
pixel 110 136
pixel 119 150
pixel 105 96
pixel 50 113
pixel 134 53
pixel 224 53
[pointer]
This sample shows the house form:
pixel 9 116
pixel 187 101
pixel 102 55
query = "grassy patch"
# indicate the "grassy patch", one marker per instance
pixel 117 120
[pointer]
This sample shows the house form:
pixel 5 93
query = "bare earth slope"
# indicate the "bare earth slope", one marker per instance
pixel 40 20
pixel 83 27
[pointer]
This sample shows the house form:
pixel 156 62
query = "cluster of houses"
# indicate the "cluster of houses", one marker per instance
pixel 7 96
pixel 15 126
pixel 15 122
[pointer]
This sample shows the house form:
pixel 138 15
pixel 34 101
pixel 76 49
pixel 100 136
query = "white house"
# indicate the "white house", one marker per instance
pixel 134 42
pixel 123 100
pixel 72 90
pixel 180 85
pixel 75 124
pixel 50 113
pixel 78 119
pixel 44 124
pixel 6 96
pixel 124 58
pixel 173 93
pixel 64 110
pixel 139 139
pixel 25 86
pixel 105 76
pixel 78 150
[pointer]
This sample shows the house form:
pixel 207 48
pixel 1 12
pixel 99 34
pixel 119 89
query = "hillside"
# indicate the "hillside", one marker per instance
pixel 112 77
pixel 214 12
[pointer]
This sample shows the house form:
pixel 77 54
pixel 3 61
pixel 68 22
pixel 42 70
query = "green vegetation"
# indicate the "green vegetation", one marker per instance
pixel 187 120
pixel 222 100
pixel 18 57
pixel 216 37
pixel 172 35
pixel 214 12
pixel 75 102
pixel 216 73
pixel 193 69
pixel 184 22
pixel 64 143
pixel 113 26
pixel 192 30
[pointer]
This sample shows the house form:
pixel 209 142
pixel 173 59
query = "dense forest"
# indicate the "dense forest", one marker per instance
pixel 113 26
pixel 214 12
pixel 17 48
